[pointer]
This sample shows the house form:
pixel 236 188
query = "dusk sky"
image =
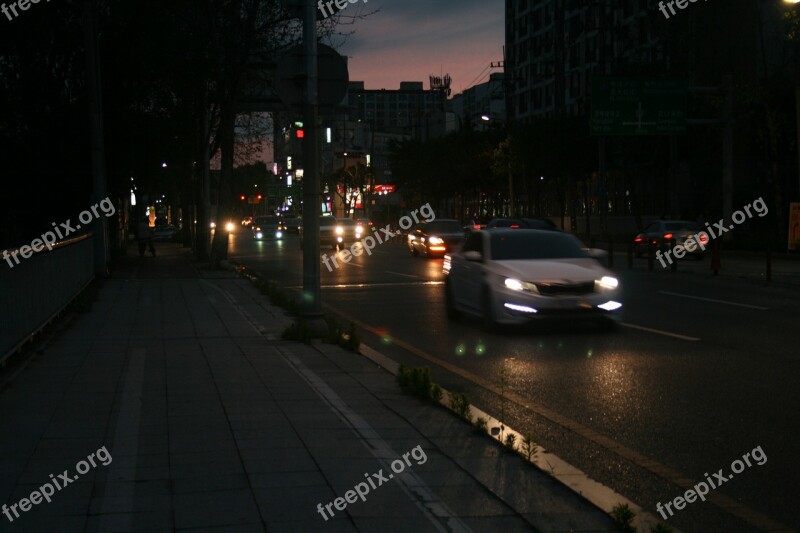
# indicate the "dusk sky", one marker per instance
pixel 408 40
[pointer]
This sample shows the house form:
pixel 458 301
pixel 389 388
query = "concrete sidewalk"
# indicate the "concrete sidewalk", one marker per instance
pixel 212 423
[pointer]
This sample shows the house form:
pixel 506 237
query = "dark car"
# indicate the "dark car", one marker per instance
pixel 540 223
pixel 436 238
pixel 292 224
pixel 165 232
pixel 513 223
pixel 664 234
pixel 267 227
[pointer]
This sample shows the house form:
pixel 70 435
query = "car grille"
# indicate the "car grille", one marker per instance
pixel 563 289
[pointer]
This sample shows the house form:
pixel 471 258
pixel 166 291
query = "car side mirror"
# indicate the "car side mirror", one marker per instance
pixel 473 256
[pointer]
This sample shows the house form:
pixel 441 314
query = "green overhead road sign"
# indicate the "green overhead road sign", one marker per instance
pixel 638 106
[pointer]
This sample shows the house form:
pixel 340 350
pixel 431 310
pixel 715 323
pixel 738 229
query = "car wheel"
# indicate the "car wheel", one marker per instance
pixel 450 305
pixel 489 320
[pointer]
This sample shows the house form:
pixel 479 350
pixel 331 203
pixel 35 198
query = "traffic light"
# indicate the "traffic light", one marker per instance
pixel 300 133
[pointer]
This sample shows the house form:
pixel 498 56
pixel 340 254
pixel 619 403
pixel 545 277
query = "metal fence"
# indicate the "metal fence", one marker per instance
pixel 34 291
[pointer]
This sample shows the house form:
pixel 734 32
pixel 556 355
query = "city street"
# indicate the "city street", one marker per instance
pixel 702 371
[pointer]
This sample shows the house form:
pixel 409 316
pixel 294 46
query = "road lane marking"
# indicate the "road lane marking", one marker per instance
pixel 659 332
pixel 714 300
pixel 719 499
pixel 401 274
pixel 434 509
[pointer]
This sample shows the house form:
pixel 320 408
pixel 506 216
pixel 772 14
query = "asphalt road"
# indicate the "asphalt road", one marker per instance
pixel 703 371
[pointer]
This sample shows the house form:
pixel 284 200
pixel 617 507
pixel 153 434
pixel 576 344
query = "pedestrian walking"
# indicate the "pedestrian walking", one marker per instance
pixel 144 236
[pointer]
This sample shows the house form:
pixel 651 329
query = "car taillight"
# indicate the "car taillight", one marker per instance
pixel 514 226
pixel 638 239
pixel 703 238
pixel 667 236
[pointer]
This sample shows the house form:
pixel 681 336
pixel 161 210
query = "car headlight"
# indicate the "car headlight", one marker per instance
pixel 517 285
pixel 229 227
pixel 339 230
pixel 213 225
pixel 258 228
pixel 278 234
pixel 607 282
pixel 436 240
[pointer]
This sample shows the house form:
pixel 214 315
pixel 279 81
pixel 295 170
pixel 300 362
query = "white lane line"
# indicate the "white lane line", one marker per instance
pixel 400 274
pixel 714 300
pixel 371 285
pixel 435 510
pixel 659 332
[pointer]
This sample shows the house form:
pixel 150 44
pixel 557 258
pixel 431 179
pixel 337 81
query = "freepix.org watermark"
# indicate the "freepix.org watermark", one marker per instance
pixel 701 489
pixel 369 242
pixel 340 4
pixel 60 232
pixel 46 491
pixel 692 244
pixel 23 5
pixel 360 490
pixel 680 4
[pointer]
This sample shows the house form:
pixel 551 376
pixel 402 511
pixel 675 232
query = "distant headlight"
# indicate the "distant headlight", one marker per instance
pixel 339 230
pixel 436 240
pixel 213 225
pixel 517 285
pixel 258 228
pixel 607 282
pixel 229 227
pixel 259 235
pixel 278 234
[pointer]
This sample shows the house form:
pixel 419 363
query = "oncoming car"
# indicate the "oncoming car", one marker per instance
pixel 435 238
pixel 267 227
pixel 514 276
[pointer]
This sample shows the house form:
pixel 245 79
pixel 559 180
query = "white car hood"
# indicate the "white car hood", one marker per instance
pixel 551 270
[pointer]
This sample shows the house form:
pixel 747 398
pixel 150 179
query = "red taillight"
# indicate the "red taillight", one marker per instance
pixel 476 226
pixel 638 239
pixel 703 238
pixel 514 226
pixel 667 236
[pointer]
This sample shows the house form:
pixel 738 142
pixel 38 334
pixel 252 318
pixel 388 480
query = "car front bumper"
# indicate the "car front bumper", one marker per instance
pixel 520 307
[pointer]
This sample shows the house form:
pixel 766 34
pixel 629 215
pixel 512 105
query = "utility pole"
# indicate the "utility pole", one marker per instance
pixel 312 306
pixel 95 97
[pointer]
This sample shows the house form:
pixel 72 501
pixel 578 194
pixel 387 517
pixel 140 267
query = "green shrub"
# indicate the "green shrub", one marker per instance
pixel 623 515
pixel 481 425
pixel 511 442
pixel 459 402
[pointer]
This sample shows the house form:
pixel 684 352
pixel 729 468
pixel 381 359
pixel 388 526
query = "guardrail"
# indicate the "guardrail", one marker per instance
pixel 36 290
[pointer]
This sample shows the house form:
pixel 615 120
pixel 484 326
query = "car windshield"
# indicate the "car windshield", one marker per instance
pixel 535 245
pixel 347 222
pixel 677 226
pixel 266 221
pixel 443 226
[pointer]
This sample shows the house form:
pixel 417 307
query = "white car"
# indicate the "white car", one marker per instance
pixel 513 276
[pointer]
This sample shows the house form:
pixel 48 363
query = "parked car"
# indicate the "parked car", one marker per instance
pixel 267 227
pixel 435 238
pixel 514 276
pixel 664 234
pixel 540 223
pixel 328 235
pixel 165 232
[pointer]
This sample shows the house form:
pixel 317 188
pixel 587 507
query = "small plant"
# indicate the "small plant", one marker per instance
pixel 623 515
pixel 481 425
pixel 336 335
pixel 436 393
pixel 661 528
pixel 529 447
pixel 459 402
pixel 297 331
pixel 418 382
pixel 511 442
